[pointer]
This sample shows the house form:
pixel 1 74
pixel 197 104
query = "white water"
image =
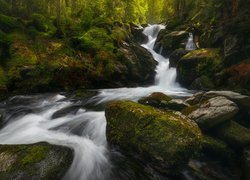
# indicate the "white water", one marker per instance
pixel 190 46
pixel 84 131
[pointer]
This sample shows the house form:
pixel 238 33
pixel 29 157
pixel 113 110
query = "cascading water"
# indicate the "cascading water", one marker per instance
pixel 29 119
pixel 190 46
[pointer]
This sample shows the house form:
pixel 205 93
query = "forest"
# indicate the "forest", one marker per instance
pixel 125 89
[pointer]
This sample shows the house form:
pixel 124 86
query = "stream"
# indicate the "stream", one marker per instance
pixel 81 124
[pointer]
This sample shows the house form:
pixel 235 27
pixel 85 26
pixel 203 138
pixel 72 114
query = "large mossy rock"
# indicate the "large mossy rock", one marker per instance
pixel 197 63
pixel 37 161
pixel 167 42
pixel 213 112
pixel 164 137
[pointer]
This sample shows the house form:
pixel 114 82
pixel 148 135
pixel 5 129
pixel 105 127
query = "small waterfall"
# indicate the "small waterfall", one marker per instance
pixel 190 46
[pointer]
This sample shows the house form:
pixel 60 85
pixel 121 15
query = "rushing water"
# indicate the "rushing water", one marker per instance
pixel 190 46
pixel 64 121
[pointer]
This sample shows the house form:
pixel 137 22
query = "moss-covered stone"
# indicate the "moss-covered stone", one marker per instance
pixel 166 137
pixel 156 99
pixel 217 148
pixel 37 161
pixel 234 134
pixel 3 79
pixel 188 110
pixel 197 63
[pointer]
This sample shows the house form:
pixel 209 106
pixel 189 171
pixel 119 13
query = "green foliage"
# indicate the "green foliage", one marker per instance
pixel 8 23
pixel 3 78
pixel 42 23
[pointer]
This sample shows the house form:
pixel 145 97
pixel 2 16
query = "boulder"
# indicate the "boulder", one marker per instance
pixel 214 111
pixel 176 56
pixel 217 148
pixel 167 42
pixel 138 35
pixel 136 66
pixel 198 63
pixel 164 138
pixel 233 134
pixel 156 99
pixel 195 99
pixel 176 104
pixel 242 101
pixel 36 161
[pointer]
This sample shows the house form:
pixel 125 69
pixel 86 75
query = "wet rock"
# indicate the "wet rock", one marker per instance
pixel 197 63
pixel 65 111
pixel 167 42
pixel 233 134
pixel 166 138
pixel 156 99
pixel 37 161
pixel 175 56
pixel 138 35
pixel 214 112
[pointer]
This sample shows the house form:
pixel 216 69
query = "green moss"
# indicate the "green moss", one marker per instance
pixel 119 34
pixel 165 136
pixel 234 134
pixel 3 79
pixel 155 99
pixel 35 154
pixel 216 147
pixel 202 53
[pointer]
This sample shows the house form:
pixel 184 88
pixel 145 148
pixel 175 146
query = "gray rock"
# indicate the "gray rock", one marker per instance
pixel 176 104
pixel 214 112
pixel 241 100
pixel 37 161
pixel 195 99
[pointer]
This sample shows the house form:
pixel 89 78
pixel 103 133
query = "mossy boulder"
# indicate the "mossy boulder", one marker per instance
pixel 156 99
pixel 166 138
pixel 176 104
pixel 217 148
pixel 234 134
pixel 36 161
pixel 167 42
pixel 197 63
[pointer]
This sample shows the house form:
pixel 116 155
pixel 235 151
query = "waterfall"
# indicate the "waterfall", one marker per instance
pixel 190 46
